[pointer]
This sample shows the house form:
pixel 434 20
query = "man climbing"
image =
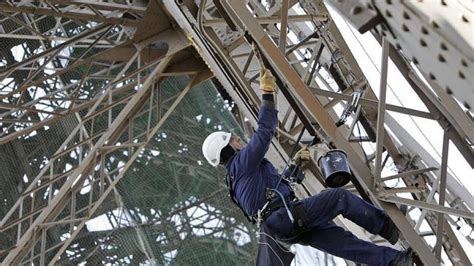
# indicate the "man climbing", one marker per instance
pixel 257 188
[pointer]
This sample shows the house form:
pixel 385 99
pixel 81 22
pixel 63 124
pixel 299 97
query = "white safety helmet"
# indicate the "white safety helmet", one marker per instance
pixel 213 145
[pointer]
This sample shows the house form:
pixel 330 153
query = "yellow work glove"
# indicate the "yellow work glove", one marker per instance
pixel 267 81
pixel 302 157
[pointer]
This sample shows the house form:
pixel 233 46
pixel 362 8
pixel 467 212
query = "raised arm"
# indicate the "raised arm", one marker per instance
pixel 255 151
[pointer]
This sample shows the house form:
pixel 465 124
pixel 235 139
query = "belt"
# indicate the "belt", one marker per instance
pixel 275 204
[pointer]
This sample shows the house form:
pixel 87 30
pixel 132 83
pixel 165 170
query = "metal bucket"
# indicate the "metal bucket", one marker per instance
pixel 335 168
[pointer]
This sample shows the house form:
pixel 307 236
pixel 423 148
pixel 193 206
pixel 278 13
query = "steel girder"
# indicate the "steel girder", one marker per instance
pixel 129 74
pixel 224 47
pixel 239 22
pixel 93 148
pixel 436 35
pixel 246 99
pixel 285 71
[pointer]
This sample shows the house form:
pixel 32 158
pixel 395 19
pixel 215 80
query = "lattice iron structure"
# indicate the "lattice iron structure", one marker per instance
pixel 103 106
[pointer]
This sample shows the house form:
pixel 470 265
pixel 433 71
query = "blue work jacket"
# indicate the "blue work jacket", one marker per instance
pixel 250 171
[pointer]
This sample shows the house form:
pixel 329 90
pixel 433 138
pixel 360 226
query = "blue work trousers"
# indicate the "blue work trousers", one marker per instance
pixel 323 234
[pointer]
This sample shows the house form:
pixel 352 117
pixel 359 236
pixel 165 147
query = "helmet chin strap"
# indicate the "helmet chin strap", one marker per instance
pixel 227 153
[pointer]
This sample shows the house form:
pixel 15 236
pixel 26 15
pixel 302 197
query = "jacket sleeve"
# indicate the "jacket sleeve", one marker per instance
pixel 252 155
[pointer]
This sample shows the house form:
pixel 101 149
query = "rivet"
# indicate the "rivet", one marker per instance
pixel 444 47
pixel 449 91
pixel 356 10
pixel 423 43
pixel 467 106
pixel 441 58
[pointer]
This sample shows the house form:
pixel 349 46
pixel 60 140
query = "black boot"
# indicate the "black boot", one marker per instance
pixel 389 231
pixel 403 258
pixel 404 209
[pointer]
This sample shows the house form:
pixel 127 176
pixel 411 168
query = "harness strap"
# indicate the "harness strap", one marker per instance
pixel 228 181
pixel 273 202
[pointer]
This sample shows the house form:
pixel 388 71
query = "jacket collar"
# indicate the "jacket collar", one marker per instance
pixel 229 162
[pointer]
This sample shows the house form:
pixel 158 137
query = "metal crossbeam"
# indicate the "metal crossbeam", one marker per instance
pixel 98 141
pixel 290 119
pixel 273 56
pixel 270 20
pixel 113 183
pixel 118 46
pixel 442 196
pixel 409 173
pixel 428 206
pixel 381 114
pixel 68 14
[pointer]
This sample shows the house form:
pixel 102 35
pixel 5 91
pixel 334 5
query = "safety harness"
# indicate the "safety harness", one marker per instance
pixel 273 203
pixel 228 182
pixel 296 214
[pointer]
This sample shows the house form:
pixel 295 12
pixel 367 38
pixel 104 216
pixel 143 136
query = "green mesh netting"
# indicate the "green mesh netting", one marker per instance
pixel 170 208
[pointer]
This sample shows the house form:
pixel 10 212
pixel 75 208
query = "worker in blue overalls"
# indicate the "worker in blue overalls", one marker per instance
pixel 256 187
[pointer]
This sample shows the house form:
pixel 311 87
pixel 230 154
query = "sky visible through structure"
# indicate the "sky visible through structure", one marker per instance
pixel 398 93
pixel 427 132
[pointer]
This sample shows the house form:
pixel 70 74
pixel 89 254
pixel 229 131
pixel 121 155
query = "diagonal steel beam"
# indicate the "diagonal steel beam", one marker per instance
pixel 176 44
pixel 409 173
pixel 113 183
pixel 423 205
pixel 381 114
pixel 101 5
pixel 91 32
pixel 271 19
pixel 287 73
pixel 283 25
pixel 57 203
pixel 372 103
pixel 442 195
pixel 68 14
